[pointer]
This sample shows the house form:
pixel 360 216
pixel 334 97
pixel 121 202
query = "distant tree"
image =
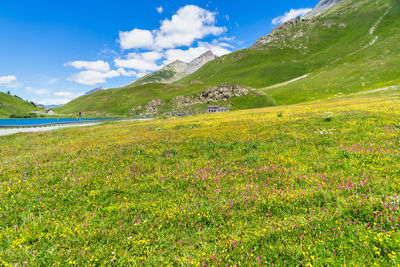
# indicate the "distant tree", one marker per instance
pixel 9 92
pixel 33 104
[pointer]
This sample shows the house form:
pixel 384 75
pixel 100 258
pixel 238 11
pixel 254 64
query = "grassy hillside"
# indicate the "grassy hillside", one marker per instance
pixel 338 50
pixel 351 48
pixel 168 74
pixel 156 77
pixel 301 185
pixel 132 100
pixel 10 105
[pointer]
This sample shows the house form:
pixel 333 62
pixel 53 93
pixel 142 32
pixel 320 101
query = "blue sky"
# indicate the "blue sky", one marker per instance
pixel 53 51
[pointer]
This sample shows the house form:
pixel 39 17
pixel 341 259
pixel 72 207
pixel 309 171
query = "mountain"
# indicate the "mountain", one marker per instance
pixel 199 62
pixel 321 7
pixel 12 105
pixel 176 70
pixel 348 48
pixel 94 90
pixel 168 74
pixel 340 48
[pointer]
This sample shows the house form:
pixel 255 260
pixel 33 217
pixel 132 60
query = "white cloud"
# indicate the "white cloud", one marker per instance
pixel 143 62
pixel 293 13
pixel 91 77
pixel 67 94
pixel 98 65
pixel 52 81
pixel 136 38
pixel 190 23
pixel 8 80
pixel 48 97
pixel 160 9
pixel 38 91
pixel 94 72
pixel 130 73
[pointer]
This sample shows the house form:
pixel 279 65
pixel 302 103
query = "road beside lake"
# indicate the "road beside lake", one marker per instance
pixel 42 129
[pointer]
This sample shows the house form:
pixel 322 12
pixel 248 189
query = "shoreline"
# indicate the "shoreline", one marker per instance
pixel 10 131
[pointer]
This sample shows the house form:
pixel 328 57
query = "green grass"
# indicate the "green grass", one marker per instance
pixel 282 186
pixel 11 105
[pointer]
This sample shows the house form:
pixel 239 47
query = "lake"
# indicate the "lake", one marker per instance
pixel 42 121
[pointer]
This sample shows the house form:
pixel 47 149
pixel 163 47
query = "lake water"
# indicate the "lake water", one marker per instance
pixel 43 121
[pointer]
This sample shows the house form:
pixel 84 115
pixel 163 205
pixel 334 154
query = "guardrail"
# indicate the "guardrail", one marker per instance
pixel 50 124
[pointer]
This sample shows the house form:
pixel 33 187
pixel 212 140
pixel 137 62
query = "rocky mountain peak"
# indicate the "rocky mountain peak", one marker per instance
pixel 282 31
pixel 197 63
pixel 177 66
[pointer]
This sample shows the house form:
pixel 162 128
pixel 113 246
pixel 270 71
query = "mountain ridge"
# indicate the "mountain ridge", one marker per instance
pixel 176 70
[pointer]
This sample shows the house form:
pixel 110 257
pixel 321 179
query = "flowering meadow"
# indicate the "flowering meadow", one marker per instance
pixel 274 186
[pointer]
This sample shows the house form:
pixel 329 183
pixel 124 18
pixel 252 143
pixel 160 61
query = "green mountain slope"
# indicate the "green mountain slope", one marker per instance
pixel 137 100
pixel 351 47
pixel 10 105
pixel 170 73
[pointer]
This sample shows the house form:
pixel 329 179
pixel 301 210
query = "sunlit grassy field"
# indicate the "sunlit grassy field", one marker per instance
pixel 311 184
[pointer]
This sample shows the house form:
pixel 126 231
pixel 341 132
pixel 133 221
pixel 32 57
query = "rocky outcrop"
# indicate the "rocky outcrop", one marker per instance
pixel 135 110
pixel 222 92
pixel 279 32
pixel 283 31
pixel 199 62
pixel 153 107
pixel 195 104
pixel 185 101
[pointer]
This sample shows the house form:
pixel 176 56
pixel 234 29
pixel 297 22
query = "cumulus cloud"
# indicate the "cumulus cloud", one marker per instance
pixel 49 97
pixel 190 23
pixel 38 91
pixel 94 72
pixel 142 62
pixel 136 38
pixel 68 94
pixel 130 73
pixel 8 80
pixel 160 9
pixel 92 77
pixel 293 13
pixel 98 65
